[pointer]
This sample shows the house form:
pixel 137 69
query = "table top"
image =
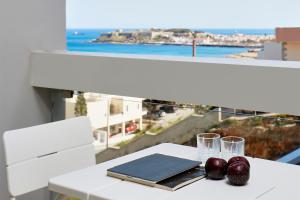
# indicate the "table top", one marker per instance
pixel 269 180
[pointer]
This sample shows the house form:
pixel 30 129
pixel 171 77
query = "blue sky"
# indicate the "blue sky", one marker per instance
pixel 182 13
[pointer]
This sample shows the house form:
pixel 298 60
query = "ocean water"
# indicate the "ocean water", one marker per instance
pixel 82 42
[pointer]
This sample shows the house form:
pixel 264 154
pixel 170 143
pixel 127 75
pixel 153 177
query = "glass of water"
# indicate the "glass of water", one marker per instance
pixel 232 146
pixel 208 145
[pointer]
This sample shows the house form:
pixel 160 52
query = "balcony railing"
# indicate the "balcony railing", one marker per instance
pixel 232 83
pixel 270 86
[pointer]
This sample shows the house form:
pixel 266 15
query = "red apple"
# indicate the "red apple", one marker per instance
pixel 238 173
pixel 216 168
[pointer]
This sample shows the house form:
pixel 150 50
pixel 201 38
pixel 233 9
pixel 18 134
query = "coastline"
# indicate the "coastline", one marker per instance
pixel 182 37
pixel 182 44
pixel 245 55
pixel 86 40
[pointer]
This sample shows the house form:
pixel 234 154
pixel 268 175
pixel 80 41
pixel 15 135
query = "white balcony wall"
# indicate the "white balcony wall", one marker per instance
pixel 97 112
pixel 132 109
pixel 261 85
pixel 25 25
pixel 116 119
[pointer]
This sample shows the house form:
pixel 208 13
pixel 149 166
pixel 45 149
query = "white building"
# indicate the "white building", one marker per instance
pixel 106 111
pixel 285 47
pixel 165 34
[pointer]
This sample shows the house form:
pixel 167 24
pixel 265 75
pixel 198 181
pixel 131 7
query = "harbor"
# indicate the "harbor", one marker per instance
pixel 183 37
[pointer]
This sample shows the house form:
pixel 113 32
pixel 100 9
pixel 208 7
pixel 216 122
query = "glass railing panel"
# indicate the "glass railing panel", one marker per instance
pixel 123 125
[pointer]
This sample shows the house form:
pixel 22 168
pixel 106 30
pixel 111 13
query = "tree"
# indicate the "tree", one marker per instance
pixel 80 106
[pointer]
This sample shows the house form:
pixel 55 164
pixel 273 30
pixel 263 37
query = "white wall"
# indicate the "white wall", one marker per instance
pixel 272 51
pixel 97 112
pixel 25 25
pixel 134 109
pixel 234 83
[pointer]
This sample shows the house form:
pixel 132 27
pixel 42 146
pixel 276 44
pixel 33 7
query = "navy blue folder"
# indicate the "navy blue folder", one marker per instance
pixel 154 168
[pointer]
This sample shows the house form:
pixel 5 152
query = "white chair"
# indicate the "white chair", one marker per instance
pixel 36 154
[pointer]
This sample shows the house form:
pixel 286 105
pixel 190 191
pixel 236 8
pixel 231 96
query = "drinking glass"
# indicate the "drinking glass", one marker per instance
pixel 208 145
pixel 232 146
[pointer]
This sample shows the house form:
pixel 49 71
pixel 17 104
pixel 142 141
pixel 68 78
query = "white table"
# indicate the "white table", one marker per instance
pixel 269 180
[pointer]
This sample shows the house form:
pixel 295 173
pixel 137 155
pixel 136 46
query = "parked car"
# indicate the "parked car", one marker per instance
pixel 155 115
pixel 168 109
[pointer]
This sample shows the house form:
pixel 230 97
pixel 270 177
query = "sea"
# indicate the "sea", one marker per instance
pixel 82 41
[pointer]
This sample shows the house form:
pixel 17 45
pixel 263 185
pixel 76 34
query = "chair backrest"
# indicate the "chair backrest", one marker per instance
pixel 36 154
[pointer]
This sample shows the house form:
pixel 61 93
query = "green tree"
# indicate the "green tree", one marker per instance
pixel 80 106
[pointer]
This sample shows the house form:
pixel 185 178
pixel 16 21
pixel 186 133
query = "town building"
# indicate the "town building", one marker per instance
pixel 286 45
pixel 290 40
pixel 110 115
pixel 160 33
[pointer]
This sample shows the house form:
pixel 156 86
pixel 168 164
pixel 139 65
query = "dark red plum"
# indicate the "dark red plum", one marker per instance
pixel 216 168
pixel 238 173
pixel 238 159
